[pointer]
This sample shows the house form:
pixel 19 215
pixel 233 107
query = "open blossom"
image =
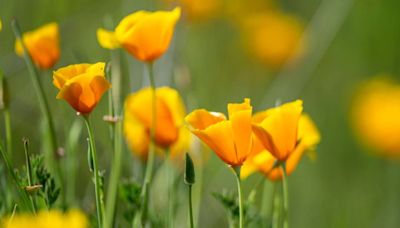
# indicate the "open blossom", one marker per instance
pixel 48 219
pixel 42 44
pixel 262 160
pixel 231 139
pixel 277 132
pixel 375 115
pixel 170 132
pixel 81 85
pixel 145 35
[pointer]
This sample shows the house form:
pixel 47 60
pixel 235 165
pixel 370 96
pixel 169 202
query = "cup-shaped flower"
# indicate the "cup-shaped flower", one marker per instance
pixel 231 139
pixel 42 44
pixel 262 160
pixel 170 132
pixel 81 85
pixel 145 35
pixel 278 129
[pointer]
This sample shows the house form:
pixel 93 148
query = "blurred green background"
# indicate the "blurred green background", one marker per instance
pixel 347 42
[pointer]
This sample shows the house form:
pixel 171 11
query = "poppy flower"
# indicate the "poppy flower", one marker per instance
pixel 42 45
pixel 81 85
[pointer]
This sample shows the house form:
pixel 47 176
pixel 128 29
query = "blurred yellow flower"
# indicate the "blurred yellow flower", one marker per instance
pixel 1 25
pixel 145 35
pixel 42 45
pixel 262 160
pixel 81 85
pixel 47 219
pixel 170 132
pixel 230 139
pixel 376 115
pixel 273 37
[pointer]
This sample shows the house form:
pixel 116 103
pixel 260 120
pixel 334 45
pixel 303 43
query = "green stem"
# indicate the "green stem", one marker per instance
pixel 44 106
pixel 239 189
pixel 285 197
pixel 276 206
pixel 190 207
pixel 7 123
pixel 150 159
pixel 11 172
pixel 114 176
pixel 99 201
pixel 29 172
pixel 171 189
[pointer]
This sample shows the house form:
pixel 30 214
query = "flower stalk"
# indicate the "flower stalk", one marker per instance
pixel 285 196
pixel 152 146
pixel 239 189
pixel 43 104
pixel 29 171
pixel 4 106
pixel 98 192
pixel 189 179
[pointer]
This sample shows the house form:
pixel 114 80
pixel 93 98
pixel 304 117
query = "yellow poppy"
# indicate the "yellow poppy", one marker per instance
pixel 170 132
pixel 230 139
pixel 47 219
pixel 262 160
pixel 375 115
pixel 273 37
pixel 277 131
pixel 42 45
pixel 81 85
pixel 145 35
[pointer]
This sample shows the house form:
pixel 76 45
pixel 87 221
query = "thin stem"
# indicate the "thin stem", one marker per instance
pixel 150 159
pixel 114 176
pixel 29 171
pixel 7 123
pixel 276 206
pixel 190 207
pixel 171 189
pixel 11 172
pixel 44 106
pixel 285 197
pixel 239 189
pixel 99 201
pixel 4 106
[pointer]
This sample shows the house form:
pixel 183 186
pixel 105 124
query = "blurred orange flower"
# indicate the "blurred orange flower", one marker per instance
pixel 262 160
pixel 376 115
pixel 145 35
pixel 81 85
pixel 48 219
pixel 198 10
pixel 42 45
pixel 170 132
pixel 230 139
pixel 273 37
